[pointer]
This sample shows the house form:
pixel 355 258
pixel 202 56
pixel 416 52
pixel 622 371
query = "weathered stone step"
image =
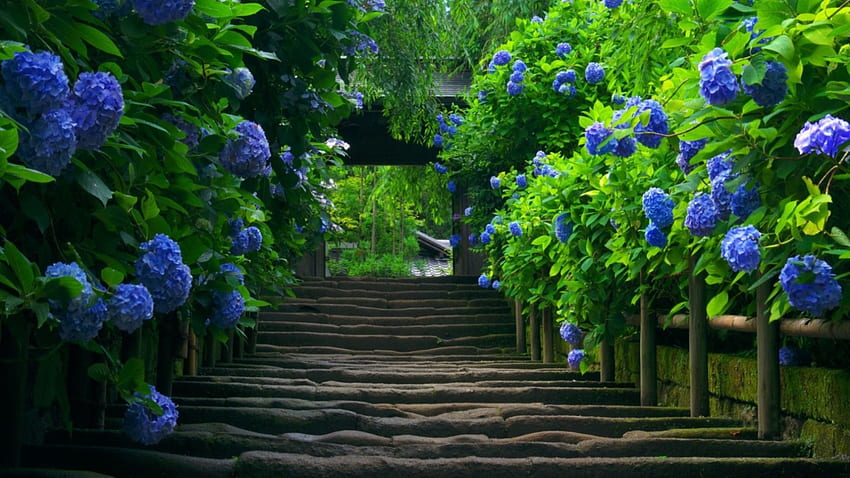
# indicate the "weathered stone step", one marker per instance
pixel 419 310
pixel 719 433
pixel 554 395
pixel 265 464
pixel 388 320
pixel 446 353
pixel 470 291
pixel 440 330
pixel 394 342
pixel 622 447
pixel 365 300
pixel 401 362
pixel 392 374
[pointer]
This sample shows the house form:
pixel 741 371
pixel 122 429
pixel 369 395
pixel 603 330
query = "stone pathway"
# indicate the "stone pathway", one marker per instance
pixel 417 378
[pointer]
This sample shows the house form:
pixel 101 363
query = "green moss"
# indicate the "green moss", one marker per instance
pixel 818 393
pixel 827 440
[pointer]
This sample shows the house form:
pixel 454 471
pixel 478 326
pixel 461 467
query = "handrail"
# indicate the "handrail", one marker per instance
pixel 814 328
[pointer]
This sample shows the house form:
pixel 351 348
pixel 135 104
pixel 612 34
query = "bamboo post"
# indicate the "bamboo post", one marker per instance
pixel 548 344
pixel 191 365
pixel 534 326
pixel 648 359
pixel 210 350
pixel 81 400
pixel 767 338
pixel 698 343
pixel 606 361
pixel 166 352
pixel 251 345
pixel 520 327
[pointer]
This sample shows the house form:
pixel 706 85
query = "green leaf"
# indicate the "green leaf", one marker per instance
pixel 61 288
pixel 99 372
pixel 213 8
pixel 150 209
pixel 8 142
pixel 246 9
pixel 682 7
pixel 111 277
pixel 97 39
pixel 710 9
pixel 717 304
pixel 92 184
pixel 783 46
pixel 21 266
pixel 132 376
pixel 28 174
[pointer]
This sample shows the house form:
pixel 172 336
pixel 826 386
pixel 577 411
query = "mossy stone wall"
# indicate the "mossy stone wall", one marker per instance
pixel 815 401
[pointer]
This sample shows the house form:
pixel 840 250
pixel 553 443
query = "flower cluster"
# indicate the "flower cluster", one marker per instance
pixel 596 134
pixel 717 84
pixel 495 182
pixel 563 49
pixel 454 240
pixel 825 136
pixel 791 356
pixel 611 4
pixel 485 237
pixel 130 306
pixel 451 186
pixel 78 320
pixel 574 358
pixel 687 151
pixel 360 43
pixel 719 165
pixel 515 228
pixel 654 236
pixel 701 216
pixel 446 128
pixel 651 133
pixel 515 82
pixel 144 425
pixel 159 12
pixel 246 155
pixel 501 57
pixel 571 334
pixel 810 284
pixel 745 201
pixel 192 134
pixel 440 168
pixel 227 307
pixel 521 181
pixel 658 207
pixel 563 227
pixel 50 143
pixel 247 240
pixel 35 82
pixel 740 248
pixel 594 73
pixel 564 82
pixel 162 271
pixel 242 81
pixel 97 105
pixel 773 87
pixel 484 281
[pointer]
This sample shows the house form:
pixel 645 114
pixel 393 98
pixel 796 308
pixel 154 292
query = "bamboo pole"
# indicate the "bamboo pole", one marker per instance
pixel 768 368
pixel 814 328
pixel 698 343
pixel 606 361
pixel 648 358
pixel 534 326
pixel 520 327
pixel 166 353
pixel 548 344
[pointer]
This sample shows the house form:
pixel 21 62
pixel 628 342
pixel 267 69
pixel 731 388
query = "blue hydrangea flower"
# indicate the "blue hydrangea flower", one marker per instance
pixel 618 99
pixel 495 182
pixel 825 136
pixel 451 186
pixel 515 228
pixel 717 84
pixel 563 49
pixel 719 165
pixel 247 240
pixel 702 215
pixel 81 322
pixel 496 285
pixel 721 196
pixel 130 306
pixel 650 134
pixel 438 141
pixel 192 134
pixel 594 73
pixel 574 358
pixel 227 308
pixel 50 144
pixel 60 269
pixel 613 3
pixel 740 248
pixel 745 201
pixel 159 12
pixel 792 356
pixel 242 81
pixel 595 135
pixel 247 155
pixel 516 77
pixel 520 66
pixel 571 334
pixel 654 236
pixel 473 239
pixel 514 89
pixel 658 207
pixel 484 281
pixel 485 237
pixel 232 269
pixel 456 119
pixel 501 57
pixel 536 19
pixel 468 211
pixel 35 82
pixel 145 426
pixel 440 168
pixel 810 284
pixel 626 146
pixel 773 87
pixel 96 107
pixel 567 90
pixel 567 76
pixel 563 227
pixel 454 240
pixel 687 151
pixel 490 229
pixel 521 181
pixel 496 220
pixel 162 271
pixel 234 226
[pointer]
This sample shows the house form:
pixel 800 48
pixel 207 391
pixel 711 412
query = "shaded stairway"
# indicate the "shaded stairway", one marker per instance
pixel 417 378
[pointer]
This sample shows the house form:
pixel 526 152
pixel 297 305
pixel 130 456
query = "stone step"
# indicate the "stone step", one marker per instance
pixel 440 330
pixel 393 342
pixel 682 447
pixel 462 292
pixel 445 353
pixel 264 464
pixel 345 318
pixel 436 394
pixel 422 309
pixel 401 362
pixel 401 303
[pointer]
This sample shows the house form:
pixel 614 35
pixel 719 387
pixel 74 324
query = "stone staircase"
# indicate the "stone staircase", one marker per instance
pixel 418 378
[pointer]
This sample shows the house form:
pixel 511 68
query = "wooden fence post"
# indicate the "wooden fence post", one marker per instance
pixel 606 361
pixel 767 337
pixel 534 335
pixel 520 327
pixel 548 344
pixel 648 360
pixel 698 342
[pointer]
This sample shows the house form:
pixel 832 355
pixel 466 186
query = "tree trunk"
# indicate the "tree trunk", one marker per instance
pixel 698 343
